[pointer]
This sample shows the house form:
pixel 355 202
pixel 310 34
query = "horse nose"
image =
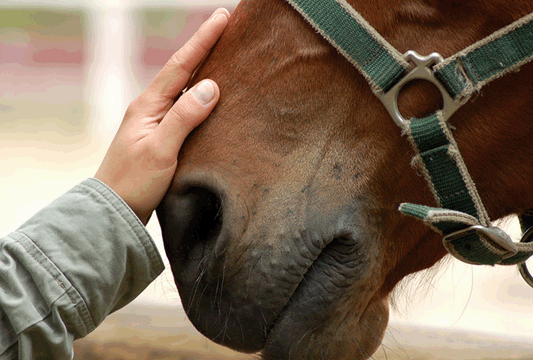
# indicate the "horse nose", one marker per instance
pixel 191 222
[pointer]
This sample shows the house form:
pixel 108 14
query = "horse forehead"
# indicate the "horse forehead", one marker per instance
pixel 446 26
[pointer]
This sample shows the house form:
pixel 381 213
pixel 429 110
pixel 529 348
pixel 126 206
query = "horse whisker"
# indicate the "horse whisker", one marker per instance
pixel 195 289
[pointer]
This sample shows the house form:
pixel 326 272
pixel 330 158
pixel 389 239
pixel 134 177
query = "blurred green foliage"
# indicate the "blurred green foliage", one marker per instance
pixel 46 21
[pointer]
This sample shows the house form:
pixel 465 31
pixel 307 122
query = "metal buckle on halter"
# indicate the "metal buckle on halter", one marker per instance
pixel 421 71
pixel 494 234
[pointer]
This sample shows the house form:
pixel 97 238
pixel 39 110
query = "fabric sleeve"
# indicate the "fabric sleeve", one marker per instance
pixel 67 268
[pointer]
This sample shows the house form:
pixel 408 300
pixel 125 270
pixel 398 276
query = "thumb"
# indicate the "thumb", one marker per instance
pixel 189 111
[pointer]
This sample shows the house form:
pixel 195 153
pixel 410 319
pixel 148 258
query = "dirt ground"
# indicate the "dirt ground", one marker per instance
pixel 164 333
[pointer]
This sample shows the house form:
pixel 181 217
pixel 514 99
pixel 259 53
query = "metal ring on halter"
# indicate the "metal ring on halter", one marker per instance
pixel 423 70
pixel 524 271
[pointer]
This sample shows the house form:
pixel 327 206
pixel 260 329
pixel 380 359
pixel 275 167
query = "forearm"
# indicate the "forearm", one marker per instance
pixel 68 267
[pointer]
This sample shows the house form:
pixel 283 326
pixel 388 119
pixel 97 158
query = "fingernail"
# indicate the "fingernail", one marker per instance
pixel 204 92
pixel 215 17
pixel 219 13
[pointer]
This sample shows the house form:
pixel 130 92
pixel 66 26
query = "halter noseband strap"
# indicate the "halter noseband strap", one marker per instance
pixel 461 216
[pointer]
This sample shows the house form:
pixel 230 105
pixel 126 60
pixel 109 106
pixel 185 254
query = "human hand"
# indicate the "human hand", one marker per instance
pixel 142 159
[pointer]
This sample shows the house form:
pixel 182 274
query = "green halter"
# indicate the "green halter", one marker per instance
pixel 461 216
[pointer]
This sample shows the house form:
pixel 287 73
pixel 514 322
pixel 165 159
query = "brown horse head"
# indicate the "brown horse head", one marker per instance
pixel 281 225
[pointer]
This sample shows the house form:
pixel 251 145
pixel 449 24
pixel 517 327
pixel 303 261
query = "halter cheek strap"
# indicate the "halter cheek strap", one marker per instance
pixel 461 216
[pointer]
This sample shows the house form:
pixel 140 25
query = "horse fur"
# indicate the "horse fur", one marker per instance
pixel 281 225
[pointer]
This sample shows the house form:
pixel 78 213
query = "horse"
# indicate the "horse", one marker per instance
pixel 282 225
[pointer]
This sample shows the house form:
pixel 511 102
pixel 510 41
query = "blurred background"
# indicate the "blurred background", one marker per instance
pixel 69 69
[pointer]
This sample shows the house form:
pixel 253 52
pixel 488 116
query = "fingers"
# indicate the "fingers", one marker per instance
pixel 189 111
pixel 176 73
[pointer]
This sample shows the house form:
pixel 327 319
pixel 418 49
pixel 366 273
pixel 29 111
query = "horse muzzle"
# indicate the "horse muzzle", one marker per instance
pixel 267 269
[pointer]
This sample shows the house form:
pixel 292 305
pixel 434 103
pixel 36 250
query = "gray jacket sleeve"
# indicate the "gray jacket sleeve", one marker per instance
pixel 63 271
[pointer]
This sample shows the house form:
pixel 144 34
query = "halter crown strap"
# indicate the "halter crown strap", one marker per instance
pixel 462 218
pixel 383 66
pixel 344 28
pixel 488 59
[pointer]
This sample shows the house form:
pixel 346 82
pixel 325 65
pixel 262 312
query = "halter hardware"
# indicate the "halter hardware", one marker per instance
pixel 423 70
pixel 496 235
pixel 460 216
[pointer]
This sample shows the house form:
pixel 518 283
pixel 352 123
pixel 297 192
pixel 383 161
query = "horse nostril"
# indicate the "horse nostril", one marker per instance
pixel 191 223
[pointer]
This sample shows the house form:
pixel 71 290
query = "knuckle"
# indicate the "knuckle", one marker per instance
pixel 176 113
pixel 183 114
pixel 139 104
pixel 132 108
pixel 136 103
pixel 178 62
pixel 158 157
